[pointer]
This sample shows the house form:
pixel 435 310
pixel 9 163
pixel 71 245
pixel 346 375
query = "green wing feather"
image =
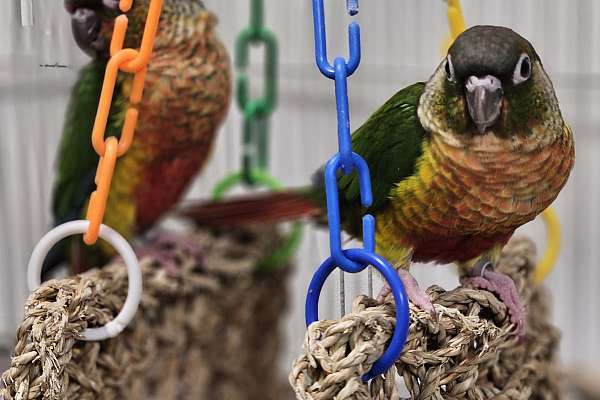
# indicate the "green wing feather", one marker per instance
pixel 391 142
pixel 77 160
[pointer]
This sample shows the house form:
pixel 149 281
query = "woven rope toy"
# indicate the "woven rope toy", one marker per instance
pixel 471 352
pixel 197 335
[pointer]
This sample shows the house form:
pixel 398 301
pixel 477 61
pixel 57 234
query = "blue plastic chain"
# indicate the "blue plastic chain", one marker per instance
pixel 351 260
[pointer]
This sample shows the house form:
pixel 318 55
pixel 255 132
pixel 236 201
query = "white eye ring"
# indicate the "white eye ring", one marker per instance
pixel 522 69
pixel 449 69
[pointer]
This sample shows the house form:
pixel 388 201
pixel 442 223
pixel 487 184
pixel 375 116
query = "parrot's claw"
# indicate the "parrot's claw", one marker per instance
pixel 164 258
pixel 168 239
pixel 415 294
pixel 503 286
pixel 167 248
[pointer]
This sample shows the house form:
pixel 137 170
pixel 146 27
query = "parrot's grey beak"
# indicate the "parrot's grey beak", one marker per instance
pixel 484 98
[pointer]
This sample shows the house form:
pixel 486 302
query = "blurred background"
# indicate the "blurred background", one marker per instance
pixel 401 43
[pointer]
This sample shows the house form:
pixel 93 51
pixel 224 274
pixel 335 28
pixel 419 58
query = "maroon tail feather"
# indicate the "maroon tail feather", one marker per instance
pixel 269 207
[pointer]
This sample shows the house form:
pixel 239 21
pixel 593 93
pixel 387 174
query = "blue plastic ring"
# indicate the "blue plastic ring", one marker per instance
pixel 366 258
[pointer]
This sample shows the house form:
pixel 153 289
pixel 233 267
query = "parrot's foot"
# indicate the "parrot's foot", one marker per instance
pixel 167 248
pixel 415 294
pixel 484 277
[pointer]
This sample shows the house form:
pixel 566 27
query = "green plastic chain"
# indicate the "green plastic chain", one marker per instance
pixel 288 248
pixel 256 114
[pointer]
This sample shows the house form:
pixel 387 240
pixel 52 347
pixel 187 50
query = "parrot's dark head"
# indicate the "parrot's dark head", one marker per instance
pixel 92 21
pixel 92 24
pixel 492 81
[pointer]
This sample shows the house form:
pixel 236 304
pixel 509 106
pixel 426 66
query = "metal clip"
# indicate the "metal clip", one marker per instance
pixel 352 6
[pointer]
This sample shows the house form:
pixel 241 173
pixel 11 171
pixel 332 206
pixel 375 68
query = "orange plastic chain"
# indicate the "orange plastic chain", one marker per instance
pixel 127 60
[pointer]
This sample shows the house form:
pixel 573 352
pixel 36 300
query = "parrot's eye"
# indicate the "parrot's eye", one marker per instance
pixel 449 69
pixel 522 69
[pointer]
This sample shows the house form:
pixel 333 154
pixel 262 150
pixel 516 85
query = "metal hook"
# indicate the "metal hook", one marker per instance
pixel 321 43
pixel 352 6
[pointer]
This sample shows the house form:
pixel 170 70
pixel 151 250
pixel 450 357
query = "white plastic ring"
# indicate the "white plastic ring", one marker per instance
pixel 134 290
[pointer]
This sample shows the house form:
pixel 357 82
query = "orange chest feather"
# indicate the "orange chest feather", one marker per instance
pixel 485 190
pixel 186 97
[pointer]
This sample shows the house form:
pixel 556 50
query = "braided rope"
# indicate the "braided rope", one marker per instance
pixel 197 335
pixel 470 352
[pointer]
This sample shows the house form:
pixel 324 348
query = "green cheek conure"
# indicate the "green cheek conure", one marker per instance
pixel 457 165
pixel 186 97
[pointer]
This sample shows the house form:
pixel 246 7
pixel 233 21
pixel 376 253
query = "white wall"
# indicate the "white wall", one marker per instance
pixel 401 42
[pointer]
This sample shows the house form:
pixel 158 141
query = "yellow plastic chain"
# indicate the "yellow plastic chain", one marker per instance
pixel 457 25
pixel 456 22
